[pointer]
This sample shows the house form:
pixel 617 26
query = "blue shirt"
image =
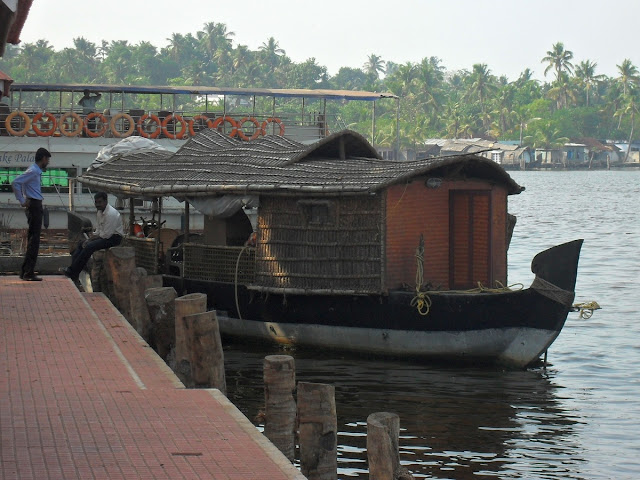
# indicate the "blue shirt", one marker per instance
pixel 27 185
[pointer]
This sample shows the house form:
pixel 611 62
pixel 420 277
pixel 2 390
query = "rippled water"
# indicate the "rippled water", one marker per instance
pixel 577 419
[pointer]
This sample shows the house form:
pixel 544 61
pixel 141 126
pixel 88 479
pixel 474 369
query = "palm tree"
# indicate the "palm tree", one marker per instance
pixel 176 42
pixel 558 59
pixel 374 65
pixel 272 52
pixel 482 85
pixel 628 75
pixel 429 77
pixel 586 74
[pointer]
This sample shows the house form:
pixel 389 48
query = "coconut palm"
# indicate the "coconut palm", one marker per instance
pixel 559 60
pixel 374 65
pixel 586 75
pixel 628 75
pixel 272 53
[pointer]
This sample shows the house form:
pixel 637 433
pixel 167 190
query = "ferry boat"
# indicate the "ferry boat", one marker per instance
pixel 347 250
pixel 49 116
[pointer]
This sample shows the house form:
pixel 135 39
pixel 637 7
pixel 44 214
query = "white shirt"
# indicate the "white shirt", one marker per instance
pixel 109 223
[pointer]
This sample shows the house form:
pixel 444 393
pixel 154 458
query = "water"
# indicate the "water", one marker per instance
pixel 578 419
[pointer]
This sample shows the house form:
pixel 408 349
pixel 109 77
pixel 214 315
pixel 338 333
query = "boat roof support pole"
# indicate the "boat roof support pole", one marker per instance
pixel 397 153
pixel 302 119
pixel 132 216
pixel 187 225
pixel 158 236
pixel 224 105
pixel 206 103
pixel 253 113
pixel 110 100
pixel 373 126
pixel 273 110
pixel 174 104
pixel 60 102
pixel 122 109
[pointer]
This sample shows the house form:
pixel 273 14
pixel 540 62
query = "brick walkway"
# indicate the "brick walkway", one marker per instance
pixel 83 396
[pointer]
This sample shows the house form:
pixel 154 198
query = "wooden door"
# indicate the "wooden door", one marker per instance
pixel 470 237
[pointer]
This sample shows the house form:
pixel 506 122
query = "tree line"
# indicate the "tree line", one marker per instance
pixel 573 102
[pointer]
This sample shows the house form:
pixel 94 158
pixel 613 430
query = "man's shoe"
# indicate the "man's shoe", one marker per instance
pixel 31 278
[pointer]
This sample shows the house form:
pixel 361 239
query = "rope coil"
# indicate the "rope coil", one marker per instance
pixel 586 309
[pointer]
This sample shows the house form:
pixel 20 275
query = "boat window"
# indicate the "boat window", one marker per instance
pixel 53 180
pixel 317 212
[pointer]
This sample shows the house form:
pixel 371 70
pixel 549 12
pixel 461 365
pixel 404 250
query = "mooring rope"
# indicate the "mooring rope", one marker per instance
pixel 549 290
pixel 236 281
pixel 421 301
pixel 586 309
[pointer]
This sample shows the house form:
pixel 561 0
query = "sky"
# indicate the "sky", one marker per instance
pixel 507 35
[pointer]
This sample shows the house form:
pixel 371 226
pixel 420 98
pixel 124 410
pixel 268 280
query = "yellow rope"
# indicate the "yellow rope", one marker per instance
pixel 586 309
pixel 421 301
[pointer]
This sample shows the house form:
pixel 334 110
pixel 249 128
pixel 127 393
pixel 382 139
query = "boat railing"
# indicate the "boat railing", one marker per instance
pixel 179 124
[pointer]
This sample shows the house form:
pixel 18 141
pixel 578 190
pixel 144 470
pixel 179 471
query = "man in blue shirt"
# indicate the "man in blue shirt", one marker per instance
pixel 28 192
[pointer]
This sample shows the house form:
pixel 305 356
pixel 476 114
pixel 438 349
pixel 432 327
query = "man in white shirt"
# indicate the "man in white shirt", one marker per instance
pixel 109 233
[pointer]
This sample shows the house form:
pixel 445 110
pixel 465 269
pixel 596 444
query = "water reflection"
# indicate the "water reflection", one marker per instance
pixel 456 423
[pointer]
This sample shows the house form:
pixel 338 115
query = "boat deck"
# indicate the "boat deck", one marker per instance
pixel 83 396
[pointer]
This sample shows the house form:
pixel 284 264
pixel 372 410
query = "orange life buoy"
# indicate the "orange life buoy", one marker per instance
pixel 257 129
pixel 176 119
pixel 24 117
pixel 207 120
pixel 63 126
pixel 234 126
pixel 50 120
pixel 273 120
pixel 99 132
pixel 124 117
pixel 142 129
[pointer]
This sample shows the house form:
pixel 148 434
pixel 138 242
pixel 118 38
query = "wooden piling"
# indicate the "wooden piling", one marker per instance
pixel 383 432
pixel 280 407
pixel 186 305
pixel 121 261
pixel 140 282
pixel 162 332
pixel 318 431
pixel 205 350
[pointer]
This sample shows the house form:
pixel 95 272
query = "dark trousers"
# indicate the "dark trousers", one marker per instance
pixel 34 218
pixel 81 255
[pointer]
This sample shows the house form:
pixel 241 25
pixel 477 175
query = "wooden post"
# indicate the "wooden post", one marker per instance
pixel 383 431
pixel 280 407
pixel 162 312
pixel 140 282
pixel 121 261
pixel 98 273
pixel 186 305
pixel 205 349
pixel 318 431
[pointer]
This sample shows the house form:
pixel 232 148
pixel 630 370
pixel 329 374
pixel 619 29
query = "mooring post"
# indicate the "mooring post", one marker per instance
pixel 383 433
pixel 121 262
pixel 186 305
pixel 162 312
pixel 318 431
pixel 280 407
pixel 205 349
pixel 140 282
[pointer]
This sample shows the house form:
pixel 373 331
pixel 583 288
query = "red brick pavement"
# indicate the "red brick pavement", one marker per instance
pixel 82 396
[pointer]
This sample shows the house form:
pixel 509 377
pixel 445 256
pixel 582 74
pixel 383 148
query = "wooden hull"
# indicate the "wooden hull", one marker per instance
pixel 512 328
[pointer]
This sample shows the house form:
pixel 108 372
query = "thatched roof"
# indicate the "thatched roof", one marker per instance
pixel 212 163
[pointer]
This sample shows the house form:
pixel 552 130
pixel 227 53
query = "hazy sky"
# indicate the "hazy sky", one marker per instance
pixel 507 35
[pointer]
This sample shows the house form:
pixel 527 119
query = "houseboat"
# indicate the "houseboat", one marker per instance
pixel 329 245
pixel 125 117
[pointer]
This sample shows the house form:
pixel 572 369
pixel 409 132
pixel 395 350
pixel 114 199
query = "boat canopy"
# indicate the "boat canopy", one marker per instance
pixel 214 164
pixel 202 90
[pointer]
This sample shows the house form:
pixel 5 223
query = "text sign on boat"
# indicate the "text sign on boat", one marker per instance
pixel 16 158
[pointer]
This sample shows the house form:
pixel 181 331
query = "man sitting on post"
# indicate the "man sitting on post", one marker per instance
pixel 109 233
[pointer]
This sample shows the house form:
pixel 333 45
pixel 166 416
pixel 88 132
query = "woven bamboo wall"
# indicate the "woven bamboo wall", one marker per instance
pixel 320 244
pixel 145 249
pixel 216 263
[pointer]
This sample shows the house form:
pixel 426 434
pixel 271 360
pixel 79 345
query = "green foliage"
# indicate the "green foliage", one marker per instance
pixel 435 102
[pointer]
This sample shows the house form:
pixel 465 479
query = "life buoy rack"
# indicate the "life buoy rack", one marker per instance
pixel 175 118
pixel 103 127
pixel 257 129
pixel 125 117
pixel 142 130
pixel 273 120
pixel 25 118
pixel 63 125
pixel 234 125
pixel 207 121
pixel 50 119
